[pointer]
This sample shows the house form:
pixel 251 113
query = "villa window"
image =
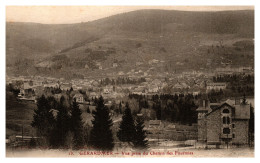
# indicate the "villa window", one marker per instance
pixel 224 120
pixel 225 111
pixel 226 131
pixel 228 120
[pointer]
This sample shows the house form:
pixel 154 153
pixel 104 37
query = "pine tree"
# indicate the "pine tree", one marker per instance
pixel 101 137
pixel 61 129
pixel 77 126
pixel 43 119
pixel 140 135
pixel 120 107
pixel 71 89
pixel 158 110
pixel 88 110
pixel 126 132
pixel 251 125
pixel 244 99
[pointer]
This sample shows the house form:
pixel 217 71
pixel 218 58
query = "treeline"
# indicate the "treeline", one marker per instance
pixel 121 80
pixel 216 96
pixel 61 127
pixel 79 44
pixel 237 85
pixel 173 108
pixel 241 89
pixel 233 79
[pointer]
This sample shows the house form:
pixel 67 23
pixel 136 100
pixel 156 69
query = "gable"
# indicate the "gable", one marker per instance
pixel 237 111
pixel 222 107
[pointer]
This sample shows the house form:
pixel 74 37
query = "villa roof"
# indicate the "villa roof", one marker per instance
pixel 239 111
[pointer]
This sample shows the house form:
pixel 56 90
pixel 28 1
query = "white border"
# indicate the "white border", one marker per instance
pixel 131 3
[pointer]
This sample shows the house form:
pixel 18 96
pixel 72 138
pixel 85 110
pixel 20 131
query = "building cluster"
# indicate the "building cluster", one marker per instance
pixel 158 130
pixel 191 82
pixel 31 87
pixel 218 124
pixel 228 70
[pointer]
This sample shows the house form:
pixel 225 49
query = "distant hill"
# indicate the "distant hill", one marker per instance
pixel 182 40
pixel 225 22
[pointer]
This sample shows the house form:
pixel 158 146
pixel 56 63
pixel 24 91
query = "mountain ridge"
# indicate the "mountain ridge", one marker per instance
pixel 149 34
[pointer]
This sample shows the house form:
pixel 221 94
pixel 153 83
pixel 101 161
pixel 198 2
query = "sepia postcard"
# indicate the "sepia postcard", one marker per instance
pixel 130 81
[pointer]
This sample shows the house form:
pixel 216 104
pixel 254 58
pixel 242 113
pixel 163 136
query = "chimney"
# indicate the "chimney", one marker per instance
pixel 207 103
pixel 237 101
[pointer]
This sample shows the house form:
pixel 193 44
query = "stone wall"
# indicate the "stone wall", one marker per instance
pixel 214 126
pixel 240 132
pixel 202 130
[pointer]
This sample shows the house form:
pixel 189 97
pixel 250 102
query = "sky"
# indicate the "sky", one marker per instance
pixel 77 14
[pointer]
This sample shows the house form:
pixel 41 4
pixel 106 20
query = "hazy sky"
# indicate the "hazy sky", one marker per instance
pixel 76 14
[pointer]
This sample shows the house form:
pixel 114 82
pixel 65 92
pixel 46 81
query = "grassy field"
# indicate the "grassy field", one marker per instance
pixel 18 114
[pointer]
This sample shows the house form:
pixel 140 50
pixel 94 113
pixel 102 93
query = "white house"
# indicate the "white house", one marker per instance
pixel 79 98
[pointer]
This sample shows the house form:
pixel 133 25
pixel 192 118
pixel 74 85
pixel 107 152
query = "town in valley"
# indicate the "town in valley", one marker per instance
pixel 181 89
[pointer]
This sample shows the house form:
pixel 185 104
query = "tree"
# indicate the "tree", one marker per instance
pixel 244 99
pixel 61 130
pixel 251 126
pixel 43 119
pixel 126 132
pixel 140 135
pixel 77 126
pixel 71 89
pixel 101 137
pixel 120 107
pixel 157 108
pixel 88 110
pixel 32 143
